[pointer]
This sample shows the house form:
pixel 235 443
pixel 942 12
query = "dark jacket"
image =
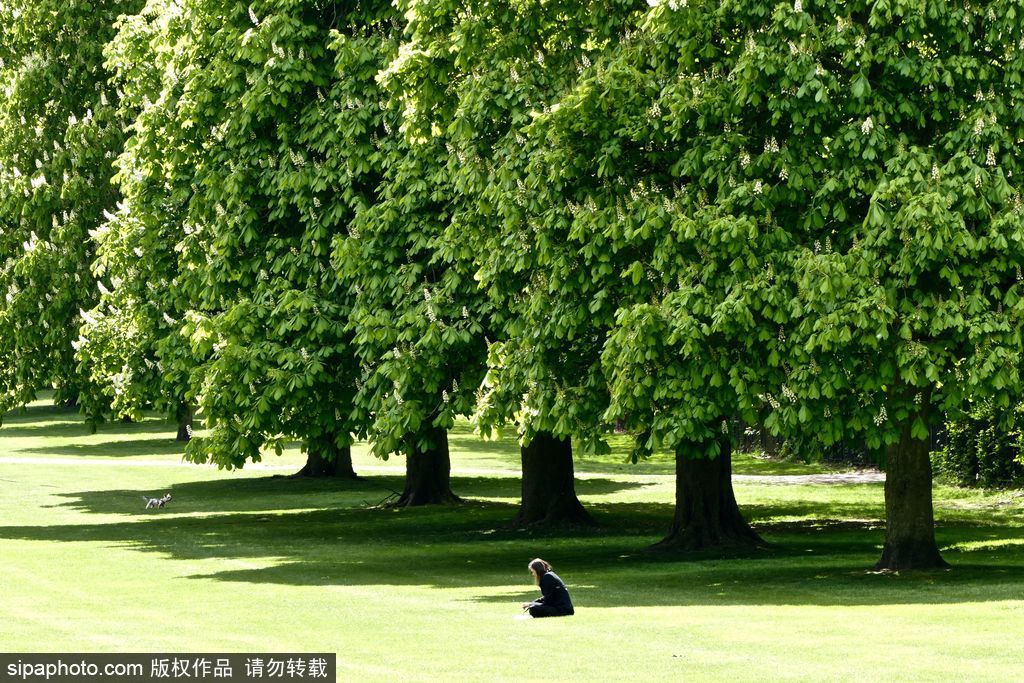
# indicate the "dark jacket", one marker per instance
pixel 556 595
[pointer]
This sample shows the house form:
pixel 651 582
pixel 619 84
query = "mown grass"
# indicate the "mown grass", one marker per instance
pixel 254 561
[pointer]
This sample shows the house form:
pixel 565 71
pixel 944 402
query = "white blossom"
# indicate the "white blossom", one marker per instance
pixel 881 417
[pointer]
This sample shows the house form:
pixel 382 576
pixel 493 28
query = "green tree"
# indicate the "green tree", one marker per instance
pixel 415 318
pixel 418 318
pixel 587 210
pixel 131 345
pixel 261 132
pixel 472 77
pixel 58 136
pixel 850 170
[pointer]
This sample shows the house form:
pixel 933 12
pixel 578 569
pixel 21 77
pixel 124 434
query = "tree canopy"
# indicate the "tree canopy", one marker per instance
pixel 849 183
pixel 59 134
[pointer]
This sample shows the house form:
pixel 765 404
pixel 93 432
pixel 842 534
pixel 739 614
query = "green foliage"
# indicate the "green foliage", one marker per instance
pixel 598 234
pixel 58 136
pixel 473 78
pixel 418 319
pixel 827 202
pixel 130 344
pixel 334 221
pixel 255 145
pixel 983 447
pixel 897 179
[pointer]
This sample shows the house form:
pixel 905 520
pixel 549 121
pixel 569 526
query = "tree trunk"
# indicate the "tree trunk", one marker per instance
pixel 707 516
pixel 184 416
pixel 549 492
pixel 324 459
pixel 428 473
pixel 909 521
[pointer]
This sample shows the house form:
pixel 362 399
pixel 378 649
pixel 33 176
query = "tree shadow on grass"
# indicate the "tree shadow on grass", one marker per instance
pixel 252 494
pixel 511 487
pixel 37 412
pixel 470 546
pixel 163 443
pixel 63 428
pixel 58 422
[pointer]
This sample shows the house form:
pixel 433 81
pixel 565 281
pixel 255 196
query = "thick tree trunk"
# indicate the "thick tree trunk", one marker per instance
pixel 184 417
pixel 549 491
pixel 324 459
pixel 428 474
pixel 707 516
pixel 909 521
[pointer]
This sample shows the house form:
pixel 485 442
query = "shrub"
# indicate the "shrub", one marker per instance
pixel 984 447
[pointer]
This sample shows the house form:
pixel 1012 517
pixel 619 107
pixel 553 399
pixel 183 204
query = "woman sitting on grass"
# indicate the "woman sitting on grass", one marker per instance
pixel 555 601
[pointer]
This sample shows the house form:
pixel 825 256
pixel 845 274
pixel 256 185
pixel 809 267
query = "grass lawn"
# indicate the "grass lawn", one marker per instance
pixel 251 562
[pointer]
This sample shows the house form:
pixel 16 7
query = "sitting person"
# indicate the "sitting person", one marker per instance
pixel 555 600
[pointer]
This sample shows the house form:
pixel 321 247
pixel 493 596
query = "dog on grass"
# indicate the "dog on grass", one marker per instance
pixel 157 502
